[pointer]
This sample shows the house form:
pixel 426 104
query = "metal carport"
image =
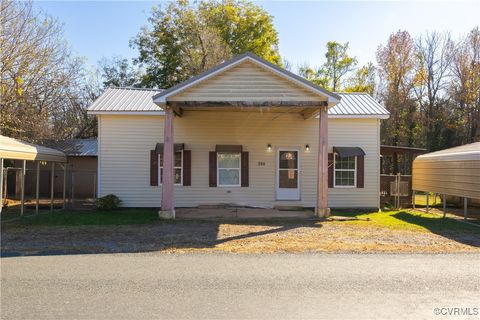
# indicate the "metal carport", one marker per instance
pixel 14 149
pixel 453 172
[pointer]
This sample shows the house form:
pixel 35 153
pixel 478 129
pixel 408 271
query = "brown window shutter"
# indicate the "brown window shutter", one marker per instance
pixel 244 170
pixel 153 168
pixel 187 168
pixel 330 170
pixel 212 176
pixel 360 171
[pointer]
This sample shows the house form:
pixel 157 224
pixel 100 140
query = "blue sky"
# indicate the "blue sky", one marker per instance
pixel 97 29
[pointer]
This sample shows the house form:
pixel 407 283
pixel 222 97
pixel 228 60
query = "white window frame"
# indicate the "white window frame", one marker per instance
pixel 349 170
pixel 239 171
pixel 160 167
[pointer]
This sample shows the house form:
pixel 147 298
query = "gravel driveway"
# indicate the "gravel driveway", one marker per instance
pixel 242 237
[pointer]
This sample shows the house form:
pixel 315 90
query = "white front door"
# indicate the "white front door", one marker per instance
pixel 288 174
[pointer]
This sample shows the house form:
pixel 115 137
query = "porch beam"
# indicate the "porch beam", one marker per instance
pixel 177 110
pixel 311 104
pixel 309 113
pixel 168 209
pixel 322 210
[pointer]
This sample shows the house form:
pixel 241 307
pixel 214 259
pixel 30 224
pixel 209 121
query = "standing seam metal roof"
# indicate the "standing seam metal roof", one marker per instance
pixel 126 99
pixel 75 147
pixel 141 100
pixel 357 103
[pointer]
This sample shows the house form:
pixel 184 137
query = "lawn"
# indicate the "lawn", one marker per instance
pixel 421 200
pixel 407 220
pixel 142 231
pixel 89 218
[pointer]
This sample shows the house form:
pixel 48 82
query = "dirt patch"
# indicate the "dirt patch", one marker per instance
pixel 241 237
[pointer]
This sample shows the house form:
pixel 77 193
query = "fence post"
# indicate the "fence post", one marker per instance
pixel 413 198
pixel 64 185
pixel 37 188
pixel 1 184
pixel 72 194
pixel 24 170
pixel 428 201
pixel 444 205
pixel 465 208
pixel 52 186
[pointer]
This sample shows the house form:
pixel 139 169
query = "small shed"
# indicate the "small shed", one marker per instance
pixel 82 162
pixel 13 149
pixel 450 172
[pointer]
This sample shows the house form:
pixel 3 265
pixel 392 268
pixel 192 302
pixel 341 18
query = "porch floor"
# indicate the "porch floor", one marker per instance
pixel 239 213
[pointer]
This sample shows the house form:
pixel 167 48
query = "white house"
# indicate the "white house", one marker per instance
pixel 246 132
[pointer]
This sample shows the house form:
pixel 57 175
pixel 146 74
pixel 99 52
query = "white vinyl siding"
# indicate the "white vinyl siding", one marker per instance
pixel 126 142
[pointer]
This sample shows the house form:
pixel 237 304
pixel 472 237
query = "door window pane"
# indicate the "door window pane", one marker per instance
pixel 288 178
pixel 288 159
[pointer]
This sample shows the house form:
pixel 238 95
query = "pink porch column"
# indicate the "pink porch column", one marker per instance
pixel 322 209
pixel 168 207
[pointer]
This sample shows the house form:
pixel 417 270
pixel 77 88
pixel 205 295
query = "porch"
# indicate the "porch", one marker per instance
pixel 250 84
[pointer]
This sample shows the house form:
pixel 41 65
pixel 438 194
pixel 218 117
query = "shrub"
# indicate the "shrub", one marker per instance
pixel 108 202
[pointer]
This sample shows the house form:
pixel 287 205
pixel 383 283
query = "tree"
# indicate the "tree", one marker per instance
pixel 396 63
pixel 465 87
pixel 118 72
pixel 363 80
pixel 244 26
pixel 40 79
pixel 333 74
pixel 435 52
pixel 184 39
pixel 338 65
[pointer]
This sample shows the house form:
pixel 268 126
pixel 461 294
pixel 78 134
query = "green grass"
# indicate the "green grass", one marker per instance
pixel 421 200
pixel 409 220
pixel 86 218
pixel 399 220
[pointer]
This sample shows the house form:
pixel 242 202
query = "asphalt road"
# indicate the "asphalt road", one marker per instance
pixel 194 286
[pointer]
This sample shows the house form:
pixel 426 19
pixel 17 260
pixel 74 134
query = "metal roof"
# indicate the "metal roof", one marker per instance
pixel 125 100
pixel 132 100
pixel 20 150
pixel 358 104
pixel 75 147
pixel 332 97
pixel 466 152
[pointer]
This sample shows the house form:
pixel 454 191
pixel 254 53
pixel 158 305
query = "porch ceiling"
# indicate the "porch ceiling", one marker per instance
pixel 307 109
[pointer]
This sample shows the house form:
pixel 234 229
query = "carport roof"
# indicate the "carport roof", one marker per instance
pixel 19 150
